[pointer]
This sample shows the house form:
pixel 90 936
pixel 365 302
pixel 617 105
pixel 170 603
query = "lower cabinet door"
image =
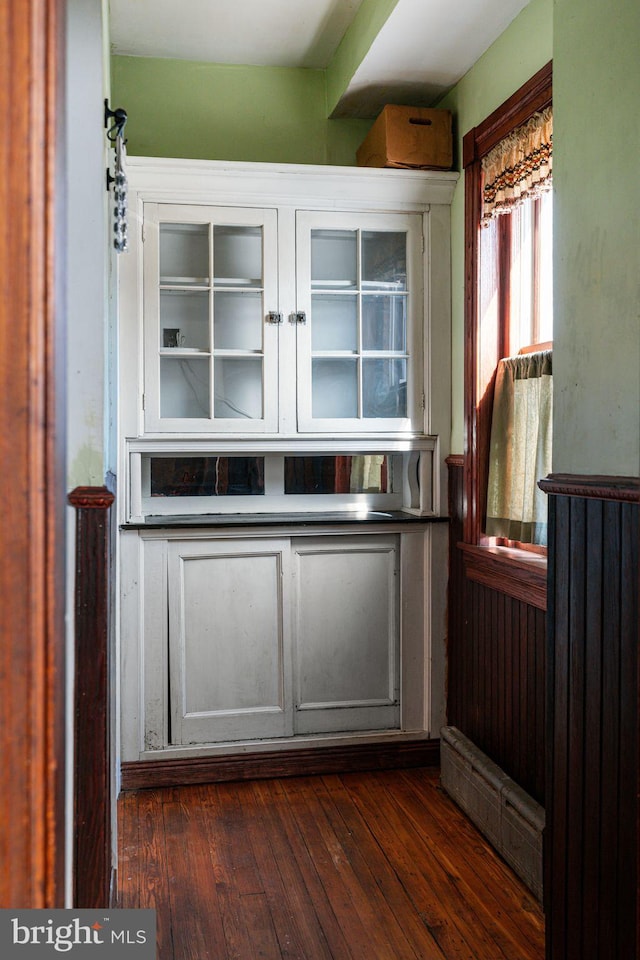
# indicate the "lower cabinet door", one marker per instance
pixel 282 637
pixel 229 641
pixel 346 629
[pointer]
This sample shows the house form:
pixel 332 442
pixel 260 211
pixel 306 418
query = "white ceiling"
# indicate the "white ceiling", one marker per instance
pixel 424 48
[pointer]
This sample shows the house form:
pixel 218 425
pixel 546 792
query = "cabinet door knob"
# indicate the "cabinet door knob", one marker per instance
pixel 274 317
pixel 300 317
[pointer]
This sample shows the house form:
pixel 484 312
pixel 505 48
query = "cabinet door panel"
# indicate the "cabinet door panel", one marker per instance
pixel 347 634
pixel 210 280
pixel 360 352
pixel 228 636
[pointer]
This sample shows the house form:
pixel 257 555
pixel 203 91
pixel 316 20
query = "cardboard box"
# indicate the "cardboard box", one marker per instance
pixel 415 137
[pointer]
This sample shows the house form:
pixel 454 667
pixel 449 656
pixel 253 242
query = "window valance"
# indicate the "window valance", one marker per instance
pixel 519 166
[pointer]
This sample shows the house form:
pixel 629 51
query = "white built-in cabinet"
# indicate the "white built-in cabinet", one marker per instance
pixel 278 322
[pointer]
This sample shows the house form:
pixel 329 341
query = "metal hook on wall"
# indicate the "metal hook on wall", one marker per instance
pixel 119 117
pixel 115 133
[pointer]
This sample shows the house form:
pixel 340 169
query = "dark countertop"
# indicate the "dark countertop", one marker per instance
pixel 372 517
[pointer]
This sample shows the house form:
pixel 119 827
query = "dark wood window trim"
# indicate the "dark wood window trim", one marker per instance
pixel 493 564
pixel 511 571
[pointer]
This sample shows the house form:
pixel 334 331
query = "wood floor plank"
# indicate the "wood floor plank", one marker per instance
pixel 427 780
pixel 485 904
pixel 506 899
pixel 154 888
pixel 355 866
pixel 348 899
pixel 129 852
pixel 264 942
pixel 369 864
pixel 273 793
pixel 296 923
pixel 237 936
pixel 456 928
pixel 195 915
pixel 226 823
pixel 365 846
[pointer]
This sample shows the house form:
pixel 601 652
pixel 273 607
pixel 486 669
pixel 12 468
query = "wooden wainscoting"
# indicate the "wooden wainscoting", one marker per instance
pixel 496 663
pixel 591 881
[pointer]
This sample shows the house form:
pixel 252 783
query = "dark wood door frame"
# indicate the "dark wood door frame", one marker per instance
pixel 32 455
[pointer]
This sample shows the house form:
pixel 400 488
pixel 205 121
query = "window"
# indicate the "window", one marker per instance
pixel 516 276
pixel 516 268
pixel 508 292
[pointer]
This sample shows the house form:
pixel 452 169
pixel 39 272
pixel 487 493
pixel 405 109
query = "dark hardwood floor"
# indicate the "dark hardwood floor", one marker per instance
pixel 359 866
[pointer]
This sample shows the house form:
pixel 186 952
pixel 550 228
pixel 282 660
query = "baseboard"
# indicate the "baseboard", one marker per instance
pixel 307 761
pixel 508 817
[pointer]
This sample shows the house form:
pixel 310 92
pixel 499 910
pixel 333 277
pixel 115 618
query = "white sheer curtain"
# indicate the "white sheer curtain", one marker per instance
pixel 520 452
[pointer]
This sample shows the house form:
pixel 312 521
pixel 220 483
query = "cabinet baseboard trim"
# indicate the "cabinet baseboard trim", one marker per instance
pixel 307 761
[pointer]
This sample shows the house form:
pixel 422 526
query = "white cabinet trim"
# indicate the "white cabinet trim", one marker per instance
pixel 309 186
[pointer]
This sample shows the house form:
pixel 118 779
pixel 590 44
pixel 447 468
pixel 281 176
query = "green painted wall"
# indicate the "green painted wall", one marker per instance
pixel 179 108
pixel 596 91
pixel 524 47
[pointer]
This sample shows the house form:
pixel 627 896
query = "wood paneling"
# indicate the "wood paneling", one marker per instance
pixel 496 664
pixel 92 767
pixel 379 865
pixel 32 682
pixel 591 882
pixel 281 763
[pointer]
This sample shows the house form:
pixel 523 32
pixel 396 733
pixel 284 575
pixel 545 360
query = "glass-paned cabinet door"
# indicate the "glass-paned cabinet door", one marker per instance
pixel 210 306
pixel 359 321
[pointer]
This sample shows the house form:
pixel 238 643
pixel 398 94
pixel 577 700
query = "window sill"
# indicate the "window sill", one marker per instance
pixel 517 573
